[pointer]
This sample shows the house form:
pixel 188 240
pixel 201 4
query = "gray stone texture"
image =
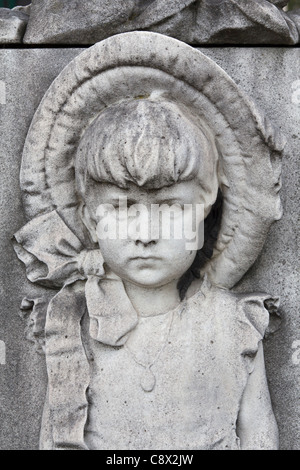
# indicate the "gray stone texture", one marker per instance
pixel 193 21
pixel 267 75
pixel 271 77
pixel 13 24
pixel 27 75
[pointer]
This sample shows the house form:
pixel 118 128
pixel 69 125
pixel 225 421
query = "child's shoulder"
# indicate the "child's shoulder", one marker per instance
pixel 246 311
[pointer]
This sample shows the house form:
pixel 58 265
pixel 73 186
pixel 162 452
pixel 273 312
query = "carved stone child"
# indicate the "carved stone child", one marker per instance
pixel 146 345
pixel 164 372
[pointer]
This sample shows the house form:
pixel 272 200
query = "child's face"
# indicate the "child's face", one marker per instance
pixel 149 259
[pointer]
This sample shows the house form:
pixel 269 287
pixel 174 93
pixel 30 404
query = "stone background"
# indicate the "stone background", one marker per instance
pixel 269 75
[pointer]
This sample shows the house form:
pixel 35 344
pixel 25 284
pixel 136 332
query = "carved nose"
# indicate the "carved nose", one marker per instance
pixel 145 242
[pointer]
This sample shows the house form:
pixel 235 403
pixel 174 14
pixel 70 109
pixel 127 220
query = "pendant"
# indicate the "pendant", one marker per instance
pixel 148 380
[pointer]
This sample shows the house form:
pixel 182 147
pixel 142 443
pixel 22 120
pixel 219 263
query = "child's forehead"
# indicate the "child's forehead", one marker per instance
pixel 175 191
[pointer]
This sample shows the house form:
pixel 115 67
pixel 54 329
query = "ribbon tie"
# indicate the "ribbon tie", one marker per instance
pixel 55 257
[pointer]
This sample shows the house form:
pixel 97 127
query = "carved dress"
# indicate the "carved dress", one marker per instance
pixel 201 374
pixel 201 355
pixel 117 381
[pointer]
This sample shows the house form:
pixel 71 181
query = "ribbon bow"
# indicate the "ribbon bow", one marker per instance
pixel 55 257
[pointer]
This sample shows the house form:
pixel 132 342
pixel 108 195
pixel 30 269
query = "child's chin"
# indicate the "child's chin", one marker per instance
pixel 148 278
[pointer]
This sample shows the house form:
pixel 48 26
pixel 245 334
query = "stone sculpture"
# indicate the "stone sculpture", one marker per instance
pixel 146 344
pixel 193 21
pixel 13 24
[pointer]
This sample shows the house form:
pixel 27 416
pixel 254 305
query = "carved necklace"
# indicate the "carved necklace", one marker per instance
pixel 148 379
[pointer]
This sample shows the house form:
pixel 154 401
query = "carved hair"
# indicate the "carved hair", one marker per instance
pixel 150 143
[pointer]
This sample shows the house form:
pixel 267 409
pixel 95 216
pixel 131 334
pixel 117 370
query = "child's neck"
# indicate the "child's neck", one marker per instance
pixel 150 301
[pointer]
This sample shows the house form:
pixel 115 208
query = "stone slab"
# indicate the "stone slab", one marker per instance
pixel 270 76
pixel 195 22
pixel 13 24
pixel 24 77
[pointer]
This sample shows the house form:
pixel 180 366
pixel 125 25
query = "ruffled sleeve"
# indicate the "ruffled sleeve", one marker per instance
pixel 253 312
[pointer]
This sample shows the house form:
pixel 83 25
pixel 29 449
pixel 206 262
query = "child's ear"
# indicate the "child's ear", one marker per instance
pixel 89 222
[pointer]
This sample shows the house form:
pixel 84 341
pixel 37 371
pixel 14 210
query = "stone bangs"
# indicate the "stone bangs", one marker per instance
pixel 149 143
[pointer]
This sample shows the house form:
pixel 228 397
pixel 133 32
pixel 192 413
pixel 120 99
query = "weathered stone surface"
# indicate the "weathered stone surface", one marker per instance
pixel 23 377
pixel 280 99
pixel 277 269
pixel 13 24
pixel 195 22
